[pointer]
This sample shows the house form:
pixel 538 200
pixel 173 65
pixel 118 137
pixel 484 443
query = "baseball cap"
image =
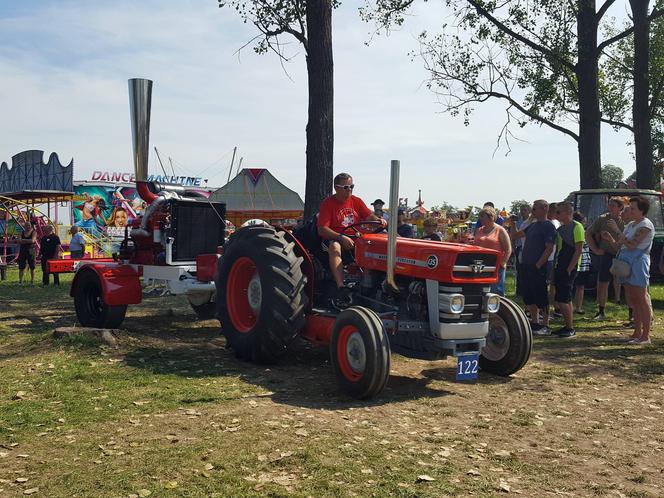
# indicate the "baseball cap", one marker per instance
pixel 378 201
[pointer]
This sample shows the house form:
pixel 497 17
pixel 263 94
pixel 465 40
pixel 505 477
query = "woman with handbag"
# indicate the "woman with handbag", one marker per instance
pixel 632 266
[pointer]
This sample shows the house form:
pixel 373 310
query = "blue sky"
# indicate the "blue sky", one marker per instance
pixel 64 66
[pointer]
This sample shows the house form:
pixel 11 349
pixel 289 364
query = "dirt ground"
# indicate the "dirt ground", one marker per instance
pixel 171 412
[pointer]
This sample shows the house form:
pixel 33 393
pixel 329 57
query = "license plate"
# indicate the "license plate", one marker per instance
pixel 467 367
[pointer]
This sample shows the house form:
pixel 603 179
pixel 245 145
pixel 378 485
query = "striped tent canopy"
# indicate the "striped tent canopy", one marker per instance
pixel 256 193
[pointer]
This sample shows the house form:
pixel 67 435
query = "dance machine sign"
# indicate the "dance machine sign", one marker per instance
pixel 116 176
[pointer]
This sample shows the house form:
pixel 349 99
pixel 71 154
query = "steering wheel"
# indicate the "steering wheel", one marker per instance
pixel 355 227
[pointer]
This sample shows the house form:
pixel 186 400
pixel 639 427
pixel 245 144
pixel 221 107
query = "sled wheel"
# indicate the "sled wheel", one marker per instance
pixel 360 353
pixel 204 305
pixel 261 295
pixel 91 310
pixel 509 342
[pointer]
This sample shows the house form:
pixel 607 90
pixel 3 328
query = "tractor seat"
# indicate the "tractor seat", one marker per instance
pixel 308 236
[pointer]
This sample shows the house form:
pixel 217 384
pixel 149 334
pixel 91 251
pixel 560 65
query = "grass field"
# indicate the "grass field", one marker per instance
pixel 171 412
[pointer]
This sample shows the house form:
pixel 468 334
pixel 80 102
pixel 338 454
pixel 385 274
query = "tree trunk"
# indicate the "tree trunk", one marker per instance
pixel 590 163
pixel 320 132
pixel 640 105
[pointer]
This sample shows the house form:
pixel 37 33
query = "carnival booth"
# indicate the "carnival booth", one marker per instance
pixel 31 190
pixel 256 193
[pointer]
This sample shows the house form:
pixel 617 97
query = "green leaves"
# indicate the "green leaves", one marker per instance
pixel 272 18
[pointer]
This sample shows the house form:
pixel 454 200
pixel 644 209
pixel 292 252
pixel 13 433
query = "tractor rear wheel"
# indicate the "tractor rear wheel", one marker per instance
pixel 204 305
pixel 510 340
pixel 91 310
pixel 360 352
pixel 261 297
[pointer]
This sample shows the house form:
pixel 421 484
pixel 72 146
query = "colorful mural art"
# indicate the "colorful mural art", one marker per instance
pixel 106 210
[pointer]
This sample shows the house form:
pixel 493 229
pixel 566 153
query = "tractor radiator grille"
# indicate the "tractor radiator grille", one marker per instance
pixel 474 265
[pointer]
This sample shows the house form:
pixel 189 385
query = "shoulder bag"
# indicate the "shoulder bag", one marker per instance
pixel 621 268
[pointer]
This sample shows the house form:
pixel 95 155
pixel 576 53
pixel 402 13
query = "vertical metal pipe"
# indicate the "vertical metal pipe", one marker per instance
pixel 392 226
pixel 140 103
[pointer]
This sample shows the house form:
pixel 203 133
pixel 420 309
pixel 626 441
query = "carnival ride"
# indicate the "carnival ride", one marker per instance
pixel 13 214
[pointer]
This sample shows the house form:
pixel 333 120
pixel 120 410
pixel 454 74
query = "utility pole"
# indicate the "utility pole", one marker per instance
pixel 230 170
pixel 160 163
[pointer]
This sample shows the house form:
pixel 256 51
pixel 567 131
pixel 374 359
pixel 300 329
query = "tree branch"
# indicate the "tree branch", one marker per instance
pixel 612 122
pixel 617 124
pixel 602 10
pixel 505 29
pixel 530 114
pixel 656 13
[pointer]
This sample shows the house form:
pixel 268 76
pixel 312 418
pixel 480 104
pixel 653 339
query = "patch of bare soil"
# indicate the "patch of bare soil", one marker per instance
pixel 579 420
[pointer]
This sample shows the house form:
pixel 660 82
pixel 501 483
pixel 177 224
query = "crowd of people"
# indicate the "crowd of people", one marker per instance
pixel 622 237
pixel 550 244
pixel 48 248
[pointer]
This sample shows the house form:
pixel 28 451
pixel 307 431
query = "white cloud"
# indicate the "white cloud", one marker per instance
pixel 63 72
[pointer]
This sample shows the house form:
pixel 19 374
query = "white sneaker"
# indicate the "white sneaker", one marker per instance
pixel 542 331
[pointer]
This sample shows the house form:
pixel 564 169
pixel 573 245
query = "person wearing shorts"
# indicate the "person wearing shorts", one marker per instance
pixel 635 246
pixel 540 237
pixel 338 212
pixel 612 223
pixel 27 252
pixel 570 237
pixel 584 278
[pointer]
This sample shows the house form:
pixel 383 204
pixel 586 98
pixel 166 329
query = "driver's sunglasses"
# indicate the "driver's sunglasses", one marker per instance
pixel 346 187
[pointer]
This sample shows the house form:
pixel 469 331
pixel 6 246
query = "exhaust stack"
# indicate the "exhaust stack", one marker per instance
pixel 140 103
pixel 392 226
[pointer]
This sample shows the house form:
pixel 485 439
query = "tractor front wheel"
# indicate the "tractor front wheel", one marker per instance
pixel 91 310
pixel 509 342
pixel 360 352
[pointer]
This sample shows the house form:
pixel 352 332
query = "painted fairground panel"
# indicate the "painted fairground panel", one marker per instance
pixel 105 211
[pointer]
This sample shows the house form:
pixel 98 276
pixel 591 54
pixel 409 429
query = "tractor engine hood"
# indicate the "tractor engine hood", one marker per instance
pixel 440 261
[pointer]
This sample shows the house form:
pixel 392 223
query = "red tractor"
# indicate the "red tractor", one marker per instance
pixel 421 299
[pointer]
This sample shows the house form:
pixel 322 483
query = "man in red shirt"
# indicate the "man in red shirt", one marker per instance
pixel 337 212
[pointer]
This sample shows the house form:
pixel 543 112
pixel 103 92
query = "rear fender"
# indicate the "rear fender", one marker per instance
pixel 120 284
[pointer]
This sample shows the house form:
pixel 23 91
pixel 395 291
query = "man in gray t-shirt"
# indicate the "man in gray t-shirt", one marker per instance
pixel 77 243
pixel 610 222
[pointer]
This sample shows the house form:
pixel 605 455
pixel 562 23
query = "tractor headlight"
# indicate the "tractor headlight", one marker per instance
pixel 492 303
pixel 452 303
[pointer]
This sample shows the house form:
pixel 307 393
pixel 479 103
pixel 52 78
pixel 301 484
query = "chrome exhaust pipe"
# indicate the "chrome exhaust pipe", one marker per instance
pixel 140 104
pixel 392 226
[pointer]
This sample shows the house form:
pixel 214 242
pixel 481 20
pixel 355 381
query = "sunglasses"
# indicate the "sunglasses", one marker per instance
pixel 346 187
